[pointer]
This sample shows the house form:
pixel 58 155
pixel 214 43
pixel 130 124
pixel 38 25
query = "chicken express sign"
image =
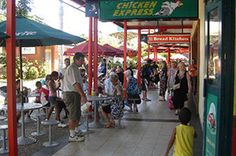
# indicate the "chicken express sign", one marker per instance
pixel 147 9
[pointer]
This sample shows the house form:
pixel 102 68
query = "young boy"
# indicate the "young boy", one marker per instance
pixel 182 136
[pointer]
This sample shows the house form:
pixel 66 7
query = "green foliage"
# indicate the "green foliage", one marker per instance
pixel 32 73
pixel 23 8
pixel 3 4
pixel 41 69
pixel 132 62
pixel 114 64
pixel 164 55
pixel 31 69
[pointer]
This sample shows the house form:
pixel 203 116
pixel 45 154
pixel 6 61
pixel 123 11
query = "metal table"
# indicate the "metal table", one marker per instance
pixel 95 101
pixel 24 140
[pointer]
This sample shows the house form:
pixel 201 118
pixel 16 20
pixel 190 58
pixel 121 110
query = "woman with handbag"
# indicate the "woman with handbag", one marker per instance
pixel 181 87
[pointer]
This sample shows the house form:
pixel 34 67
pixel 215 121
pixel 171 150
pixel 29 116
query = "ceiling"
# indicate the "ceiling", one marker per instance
pixel 171 26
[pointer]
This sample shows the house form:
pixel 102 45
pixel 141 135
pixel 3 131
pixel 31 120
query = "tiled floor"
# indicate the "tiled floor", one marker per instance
pixel 144 134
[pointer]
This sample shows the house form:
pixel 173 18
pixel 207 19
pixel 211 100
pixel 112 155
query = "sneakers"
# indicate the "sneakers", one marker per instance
pixel 62 125
pixel 79 134
pixel 76 138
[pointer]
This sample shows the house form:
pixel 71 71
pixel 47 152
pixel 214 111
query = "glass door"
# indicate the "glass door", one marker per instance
pixel 212 80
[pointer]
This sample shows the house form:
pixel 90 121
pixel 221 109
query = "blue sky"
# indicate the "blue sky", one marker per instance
pixel 74 21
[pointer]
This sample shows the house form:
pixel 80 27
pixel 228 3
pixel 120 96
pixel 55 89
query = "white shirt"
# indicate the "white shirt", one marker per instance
pixel 71 77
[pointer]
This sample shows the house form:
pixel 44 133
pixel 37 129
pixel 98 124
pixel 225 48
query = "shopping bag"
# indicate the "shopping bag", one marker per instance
pixel 170 102
pixel 176 86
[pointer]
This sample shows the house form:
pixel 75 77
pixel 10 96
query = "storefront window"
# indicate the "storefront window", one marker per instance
pixel 214 36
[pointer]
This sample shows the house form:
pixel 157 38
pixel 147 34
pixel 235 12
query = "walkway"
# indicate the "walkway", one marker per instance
pixel 145 134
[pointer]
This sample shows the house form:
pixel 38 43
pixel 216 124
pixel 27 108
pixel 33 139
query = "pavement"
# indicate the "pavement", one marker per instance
pixel 145 133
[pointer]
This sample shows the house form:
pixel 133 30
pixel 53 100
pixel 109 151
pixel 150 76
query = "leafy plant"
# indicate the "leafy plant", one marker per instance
pixel 31 69
pixel 23 8
pixel 32 73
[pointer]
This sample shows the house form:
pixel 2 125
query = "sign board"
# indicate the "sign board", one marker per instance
pixel 91 8
pixel 168 38
pixel 211 124
pixel 28 50
pixel 110 10
pixel 144 38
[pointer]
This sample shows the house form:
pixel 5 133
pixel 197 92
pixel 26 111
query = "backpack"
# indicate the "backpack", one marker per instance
pixel 132 87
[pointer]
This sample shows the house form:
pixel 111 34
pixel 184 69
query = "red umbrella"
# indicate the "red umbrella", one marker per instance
pixel 83 48
pixel 113 51
pixel 130 52
pixel 177 49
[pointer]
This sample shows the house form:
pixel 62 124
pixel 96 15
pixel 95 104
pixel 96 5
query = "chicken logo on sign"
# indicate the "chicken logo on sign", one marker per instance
pixel 211 118
pixel 168 7
pixel 91 8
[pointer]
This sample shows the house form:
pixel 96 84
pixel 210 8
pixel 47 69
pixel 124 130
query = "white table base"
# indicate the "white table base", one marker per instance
pixel 25 140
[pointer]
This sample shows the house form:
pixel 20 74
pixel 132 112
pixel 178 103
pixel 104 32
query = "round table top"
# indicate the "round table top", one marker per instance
pixel 3 126
pixel 2 117
pixel 26 106
pixel 33 94
pixel 98 98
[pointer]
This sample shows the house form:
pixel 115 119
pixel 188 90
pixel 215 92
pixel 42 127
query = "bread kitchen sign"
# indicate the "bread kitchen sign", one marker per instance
pixel 168 39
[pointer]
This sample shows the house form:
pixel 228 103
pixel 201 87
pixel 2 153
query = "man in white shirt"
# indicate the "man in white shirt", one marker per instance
pixel 73 96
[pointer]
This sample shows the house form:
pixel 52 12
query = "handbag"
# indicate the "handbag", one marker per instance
pixel 166 95
pixel 176 86
pixel 170 101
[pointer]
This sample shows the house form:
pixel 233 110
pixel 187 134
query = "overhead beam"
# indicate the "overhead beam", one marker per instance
pixel 161 27
pixel 80 2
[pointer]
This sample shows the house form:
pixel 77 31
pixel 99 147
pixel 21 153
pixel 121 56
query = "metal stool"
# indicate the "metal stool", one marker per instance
pixel 49 123
pixel 4 149
pixel 38 132
pixel 2 118
pixel 87 131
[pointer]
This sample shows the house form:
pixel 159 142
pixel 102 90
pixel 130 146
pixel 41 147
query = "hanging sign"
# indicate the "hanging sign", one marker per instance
pixel 146 9
pixel 144 38
pixel 91 8
pixel 168 38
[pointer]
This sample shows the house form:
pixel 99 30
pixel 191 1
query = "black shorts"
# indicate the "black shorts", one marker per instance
pixel 73 104
pixel 143 85
pixel 107 108
pixel 133 99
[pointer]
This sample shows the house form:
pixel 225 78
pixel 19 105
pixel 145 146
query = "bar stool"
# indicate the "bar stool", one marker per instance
pixel 2 118
pixel 87 131
pixel 50 123
pixel 4 149
pixel 38 132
